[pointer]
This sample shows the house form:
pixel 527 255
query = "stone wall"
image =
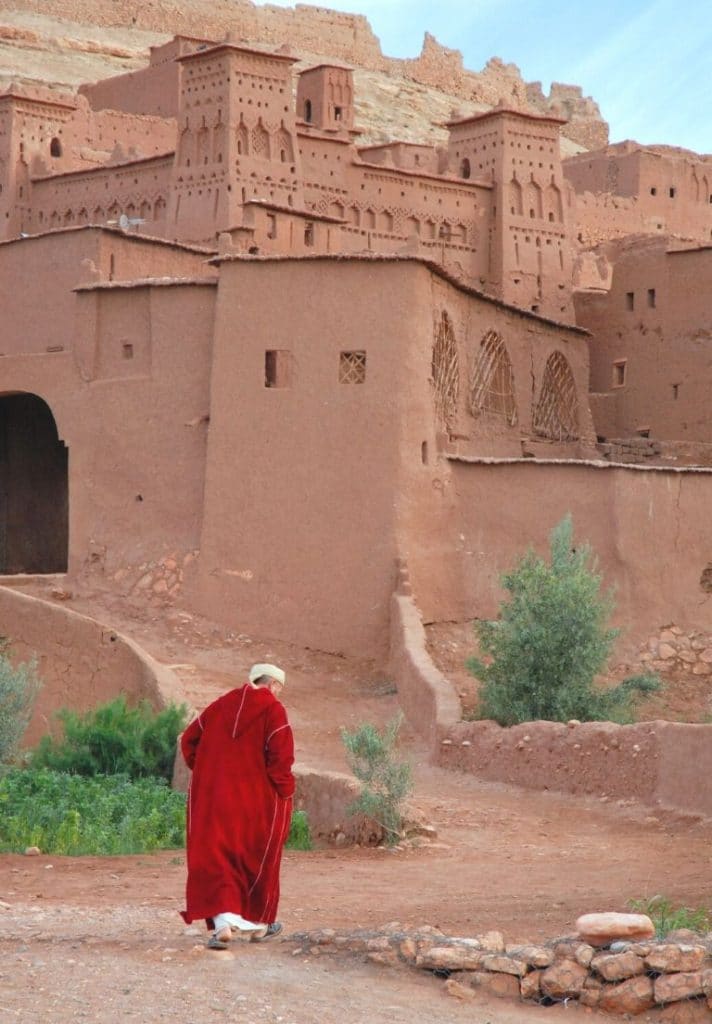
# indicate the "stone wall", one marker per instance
pixel 619 978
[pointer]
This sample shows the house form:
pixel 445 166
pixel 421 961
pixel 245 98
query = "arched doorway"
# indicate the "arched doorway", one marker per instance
pixel 34 498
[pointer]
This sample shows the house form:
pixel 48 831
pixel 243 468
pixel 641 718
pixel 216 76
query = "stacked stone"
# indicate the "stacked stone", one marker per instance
pixel 620 977
pixel 632 449
pixel 160 581
pixel 674 650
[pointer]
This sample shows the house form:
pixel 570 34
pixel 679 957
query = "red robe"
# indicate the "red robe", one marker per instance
pixel 241 751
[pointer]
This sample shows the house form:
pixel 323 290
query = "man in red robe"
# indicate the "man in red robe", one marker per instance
pixel 240 751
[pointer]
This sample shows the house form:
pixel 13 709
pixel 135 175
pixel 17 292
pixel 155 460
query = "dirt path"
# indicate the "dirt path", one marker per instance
pixel 101 940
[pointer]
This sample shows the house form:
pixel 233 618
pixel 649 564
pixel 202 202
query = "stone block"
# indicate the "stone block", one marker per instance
pixel 618 966
pixel 669 957
pixel 632 996
pixel 670 988
pixel 534 956
pixel 500 963
pixel 530 985
pixel 563 980
pixel 450 958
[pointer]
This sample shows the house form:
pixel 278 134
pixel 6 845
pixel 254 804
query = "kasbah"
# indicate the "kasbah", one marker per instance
pixel 259 361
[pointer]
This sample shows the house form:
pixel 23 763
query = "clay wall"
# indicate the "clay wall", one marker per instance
pixel 629 516
pixel 627 189
pixel 139 189
pixel 651 341
pixel 128 390
pixel 400 314
pixel 80 662
pixel 656 763
pixel 299 533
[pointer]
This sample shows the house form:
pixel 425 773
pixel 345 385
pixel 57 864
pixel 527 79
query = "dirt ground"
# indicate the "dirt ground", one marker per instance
pixel 99 940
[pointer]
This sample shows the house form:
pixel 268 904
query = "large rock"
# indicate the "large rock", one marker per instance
pixel 601 929
pixel 563 980
pixel 633 996
pixel 667 958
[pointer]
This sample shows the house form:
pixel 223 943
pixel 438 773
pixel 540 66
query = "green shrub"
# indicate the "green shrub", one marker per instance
pixel 550 641
pixel 299 834
pixel 73 815
pixel 667 917
pixel 19 686
pixel 115 739
pixel 386 782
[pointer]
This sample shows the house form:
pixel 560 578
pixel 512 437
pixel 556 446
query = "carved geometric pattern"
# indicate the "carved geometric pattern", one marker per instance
pixel 445 371
pixel 556 412
pixel 260 140
pixel 352 368
pixel 492 382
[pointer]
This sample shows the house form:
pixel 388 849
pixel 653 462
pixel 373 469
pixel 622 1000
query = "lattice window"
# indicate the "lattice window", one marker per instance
pixel 445 369
pixel 352 368
pixel 556 412
pixel 492 382
pixel 259 140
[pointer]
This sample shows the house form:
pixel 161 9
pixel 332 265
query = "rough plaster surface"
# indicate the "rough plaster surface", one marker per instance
pixel 80 662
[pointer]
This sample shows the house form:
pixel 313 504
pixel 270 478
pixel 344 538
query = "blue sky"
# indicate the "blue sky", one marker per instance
pixel 648 63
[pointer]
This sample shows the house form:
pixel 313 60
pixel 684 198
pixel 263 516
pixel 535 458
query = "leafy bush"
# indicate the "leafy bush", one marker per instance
pixel 70 814
pixel 386 782
pixel 115 739
pixel 19 686
pixel 667 917
pixel 550 641
pixel 299 837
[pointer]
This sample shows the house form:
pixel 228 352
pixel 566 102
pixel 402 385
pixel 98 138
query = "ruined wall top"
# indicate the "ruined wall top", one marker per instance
pixel 348 37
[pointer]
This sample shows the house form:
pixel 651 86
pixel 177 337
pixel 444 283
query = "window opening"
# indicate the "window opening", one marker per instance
pixel 445 368
pixel 307 110
pixel 651 298
pixel 630 301
pixel 619 373
pixel 128 350
pixel 352 367
pixel 278 368
pixel 492 382
pixel 55 147
pixel 556 412
pixel 309 234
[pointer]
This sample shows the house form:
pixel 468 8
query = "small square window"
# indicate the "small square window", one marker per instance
pixel 651 298
pixel 352 368
pixel 630 300
pixel 278 368
pixel 127 350
pixel 672 193
pixel 653 191
pixel 619 373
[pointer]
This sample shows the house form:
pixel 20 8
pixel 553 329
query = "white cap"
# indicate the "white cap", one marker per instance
pixel 268 670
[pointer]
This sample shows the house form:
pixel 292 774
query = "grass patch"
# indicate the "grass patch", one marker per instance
pixel 107 815
pixel 299 837
pixel 668 918
pixel 73 815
